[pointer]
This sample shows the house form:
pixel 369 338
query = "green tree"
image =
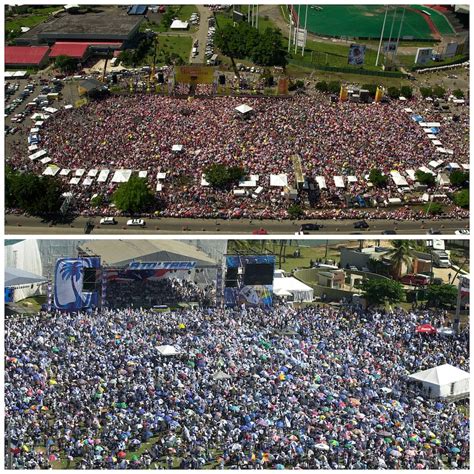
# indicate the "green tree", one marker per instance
pixel 37 195
pixel 372 88
pixel 393 92
pixel 378 179
pixel 458 93
pixel 221 176
pixel 382 291
pixel 439 92
pixel 334 87
pixel 65 64
pixel 442 295
pixel 461 198
pixel 134 196
pixel 427 179
pixel 426 92
pixel 269 50
pixel 97 201
pixel 322 86
pixel 459 178
pixel 433 208
pixel 295 211
pixel 400 255
pixel 406 91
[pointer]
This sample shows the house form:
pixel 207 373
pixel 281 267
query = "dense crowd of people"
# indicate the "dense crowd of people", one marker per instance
pixel 282 388
pixel 137 132
pixel 149 293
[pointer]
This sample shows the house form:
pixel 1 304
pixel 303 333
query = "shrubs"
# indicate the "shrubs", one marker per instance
pixel 221 176
pixel 406 91
pixel 393 92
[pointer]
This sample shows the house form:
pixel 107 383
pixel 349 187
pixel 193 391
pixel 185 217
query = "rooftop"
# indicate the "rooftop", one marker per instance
pixel 105 23
pixel 25 54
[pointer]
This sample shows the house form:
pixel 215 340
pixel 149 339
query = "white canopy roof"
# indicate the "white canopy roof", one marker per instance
pixel 398 179
pixel 279 180
pixel 103 175
pixel 179 25
pixel 121 176
pixel 167 350
pixel 352 179
pixel 177 148
pixel 441 375
pixel 38 154
pixel 74 180
pixel 299 290
pixel 64 172
pixel 80 172
pixel 436 163
pixel 46 160
pixel 411 174
pixel 142 174
pixel 51 170
pixel 87 182
pixel 244 109
pixel 339 181
pixel 204 181
pixel 161 175
pixel 321 180
pixel 93 173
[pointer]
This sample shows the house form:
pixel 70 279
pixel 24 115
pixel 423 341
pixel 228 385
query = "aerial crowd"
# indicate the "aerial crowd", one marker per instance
pixel 283 388
pixel 329 139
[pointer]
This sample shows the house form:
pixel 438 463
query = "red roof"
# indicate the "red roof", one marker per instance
pixel 73 50
pixel 25 54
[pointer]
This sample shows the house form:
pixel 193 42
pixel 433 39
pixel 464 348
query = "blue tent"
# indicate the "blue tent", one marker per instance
pixel 137 10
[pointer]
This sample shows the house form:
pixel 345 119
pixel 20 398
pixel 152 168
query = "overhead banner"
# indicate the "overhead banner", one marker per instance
pixel 356 54
pixel 162 265
pixel 450 51
pixel 69 282
pixel 390 47
pixel 423 55
pixel 195 74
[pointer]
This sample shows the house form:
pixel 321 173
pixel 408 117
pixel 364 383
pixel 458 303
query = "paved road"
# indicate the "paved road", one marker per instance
pixel 21 225
pixel 201 35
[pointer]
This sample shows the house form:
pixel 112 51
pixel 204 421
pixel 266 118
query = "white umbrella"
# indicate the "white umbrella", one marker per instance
pixel 167 350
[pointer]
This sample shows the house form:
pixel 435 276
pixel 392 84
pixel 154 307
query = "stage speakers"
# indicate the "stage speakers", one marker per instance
pixel 161 78
pixel 364 96
pixel 222 79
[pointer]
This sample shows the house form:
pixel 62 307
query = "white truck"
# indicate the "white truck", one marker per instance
pixel 441 259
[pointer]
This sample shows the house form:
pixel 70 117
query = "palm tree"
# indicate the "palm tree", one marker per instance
pixel 72 270
pixel 399 255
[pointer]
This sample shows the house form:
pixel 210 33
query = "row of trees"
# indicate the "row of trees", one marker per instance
pixel 379 292
pixel 37 195
pixel 242 41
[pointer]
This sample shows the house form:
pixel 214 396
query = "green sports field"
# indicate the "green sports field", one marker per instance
pixel 365 21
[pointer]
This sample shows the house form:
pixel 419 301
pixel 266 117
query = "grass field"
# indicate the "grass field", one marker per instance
pixel 179 44
pixel 37 16
pixel 366 21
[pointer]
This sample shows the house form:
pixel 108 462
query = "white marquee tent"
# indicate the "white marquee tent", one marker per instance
pixel 444 381
pixel 283 286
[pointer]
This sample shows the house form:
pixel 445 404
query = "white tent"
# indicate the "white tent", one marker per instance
pixel 80 172
pixel 179 25
pixel 64 172
pixel 46 160
pixel 167 350
pixel 352 179
pixel 51 170
pixel 161 175
pixel 398 179
pixel 38 154
pixel 443 179
pixel 121 176
pixel 411 174
pixel 204 182
pixel 177 148
pixel 74 180
pixel 249 183
pixel 279 180
pixel 283 285
pixel 142 174
pixel 103 175
pixel 87 182
pixel 339 181
pixel 93 173
pixel 443 381
pixel 244 109
pixel 321 180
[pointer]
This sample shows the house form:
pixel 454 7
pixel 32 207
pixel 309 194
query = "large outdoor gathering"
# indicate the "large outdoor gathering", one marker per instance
pixel 197 115
pixel 215 354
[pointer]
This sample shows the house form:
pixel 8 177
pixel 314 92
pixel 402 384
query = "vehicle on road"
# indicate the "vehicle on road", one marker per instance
pixel 414 279
pixel 136 223
pixel 108 221
pixel 361 225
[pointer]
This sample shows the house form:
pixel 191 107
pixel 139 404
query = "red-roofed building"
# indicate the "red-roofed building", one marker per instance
pixel 73 50
pixel 26 56
pixel 80 50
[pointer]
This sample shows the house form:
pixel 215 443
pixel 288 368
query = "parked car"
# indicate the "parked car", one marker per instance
pixel 415 279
